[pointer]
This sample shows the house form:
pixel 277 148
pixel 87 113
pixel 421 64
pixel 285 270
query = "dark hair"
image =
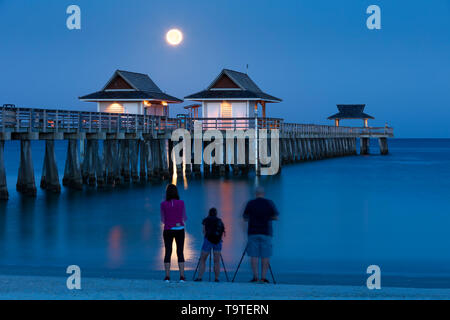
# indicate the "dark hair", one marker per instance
pixel 213 212
pixel 172 192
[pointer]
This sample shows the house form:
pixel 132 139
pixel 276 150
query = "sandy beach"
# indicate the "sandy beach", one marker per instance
pixel 44 288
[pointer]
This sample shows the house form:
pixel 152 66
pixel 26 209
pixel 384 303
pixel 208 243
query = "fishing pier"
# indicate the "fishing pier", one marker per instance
pixel 108 149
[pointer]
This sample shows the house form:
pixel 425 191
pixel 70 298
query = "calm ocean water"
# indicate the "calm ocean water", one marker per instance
pixel 337 217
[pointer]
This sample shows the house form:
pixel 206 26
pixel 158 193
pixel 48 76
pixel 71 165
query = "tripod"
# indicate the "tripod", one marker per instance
pixel 242 258
pixel 223 264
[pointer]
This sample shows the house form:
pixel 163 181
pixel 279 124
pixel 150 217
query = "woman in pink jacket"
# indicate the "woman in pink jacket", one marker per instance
pixel 173 216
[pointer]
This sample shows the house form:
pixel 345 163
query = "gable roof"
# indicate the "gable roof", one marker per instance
pixel 350 111
pixel 143 88
pixel 247 89
pixel 242 80
pixel 139 81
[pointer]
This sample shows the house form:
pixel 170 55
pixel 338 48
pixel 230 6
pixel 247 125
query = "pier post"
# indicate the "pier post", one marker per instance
pixel 288 150
pixel 109 158
pixel 341 147
pixel 235 166
pixel 344 142
pixel 292 156
pixel 329 149
pixel 164 148
pixel 304 153
pixel 284 152
pixel 99 164
pixel 4 195
pixel 125 159
pixel 319 148
pixel 313 148
pixel 50 177
pixel 246 168
pixel 85 156
pixel 206 166
pixel 156 157
pixel 149 159
pixel 90 161
pixel 383 146
pixel 308 153
pixel 142 161
pixel 296 150
pixel 107 163
pixel 25 180
pixel 72 171
pixel 116 158
pixel 222 168
pixel 134 159
pixel 364 146
pixel 171 164
pixel 196 167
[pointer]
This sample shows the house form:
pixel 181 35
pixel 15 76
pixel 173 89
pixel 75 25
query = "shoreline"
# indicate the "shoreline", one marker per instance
pixel 14 287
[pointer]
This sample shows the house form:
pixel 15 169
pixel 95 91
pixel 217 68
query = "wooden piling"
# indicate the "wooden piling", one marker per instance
pixel 235 166
pixel 364 146
pixel 222 167
pixel 116 159
pixel 196 167
pixel 4 195
pixel 294 149
pixel 91 162
pixel 72 171
pixel 148 159
pixel 25 180
pixel 85 156
pixel 50 177
pixel 109 158
pixel 99 164
pixel 142 161
pixel 125 160
pixel 164 150
pixel 156 157
pixel 383 146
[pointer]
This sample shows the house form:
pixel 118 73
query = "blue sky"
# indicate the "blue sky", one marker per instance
pixel 312 54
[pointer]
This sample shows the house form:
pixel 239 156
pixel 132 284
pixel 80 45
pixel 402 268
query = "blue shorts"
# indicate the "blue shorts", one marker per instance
pixel 259 246
pixel 208 246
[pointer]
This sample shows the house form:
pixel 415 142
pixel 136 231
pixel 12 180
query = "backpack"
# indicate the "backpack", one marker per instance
pixel 215 232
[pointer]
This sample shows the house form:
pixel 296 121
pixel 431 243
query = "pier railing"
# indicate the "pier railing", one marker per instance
pixel 45 120
pixel 313 130
pixel 233 123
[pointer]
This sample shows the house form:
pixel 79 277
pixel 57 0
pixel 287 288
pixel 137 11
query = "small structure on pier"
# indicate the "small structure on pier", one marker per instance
pixel 193 110
pixel 232 94
pixel 351 111
pixel 132 93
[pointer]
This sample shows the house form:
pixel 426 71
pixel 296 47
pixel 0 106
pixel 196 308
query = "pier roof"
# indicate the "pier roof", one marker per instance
pixel 351 111
pixel 130 86
pixel 232 85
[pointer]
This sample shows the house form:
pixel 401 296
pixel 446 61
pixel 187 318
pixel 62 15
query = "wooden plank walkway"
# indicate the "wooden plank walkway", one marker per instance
pixel 27 120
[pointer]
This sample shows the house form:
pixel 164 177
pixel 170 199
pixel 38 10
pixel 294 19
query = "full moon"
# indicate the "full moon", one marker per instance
pixel 174 37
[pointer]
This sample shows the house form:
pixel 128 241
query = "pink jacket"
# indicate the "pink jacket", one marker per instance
pixel 173 214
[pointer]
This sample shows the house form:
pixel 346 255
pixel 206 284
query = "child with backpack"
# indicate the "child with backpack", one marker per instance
pixel 213 229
